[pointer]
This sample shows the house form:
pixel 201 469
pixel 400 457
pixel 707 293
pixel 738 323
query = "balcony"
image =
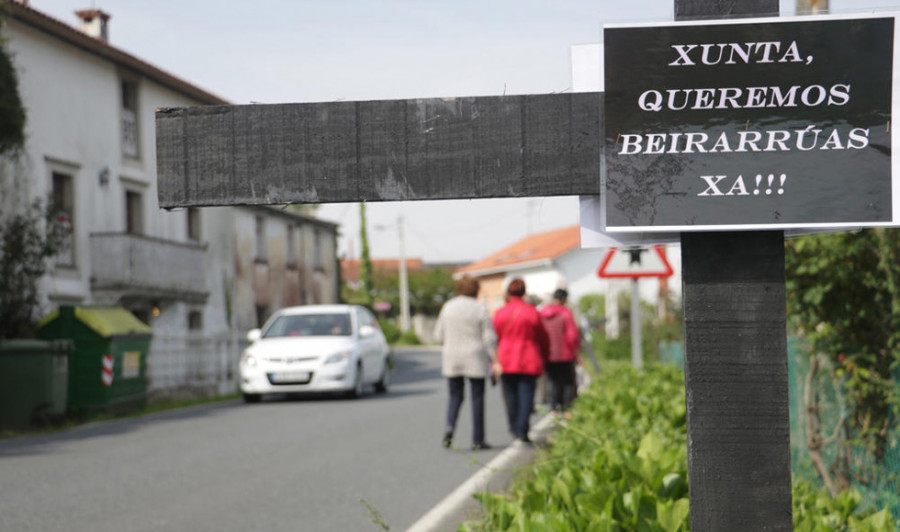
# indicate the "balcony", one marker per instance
pixel 137 266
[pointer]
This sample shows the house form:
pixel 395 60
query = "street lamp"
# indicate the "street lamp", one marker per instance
pixel 404 282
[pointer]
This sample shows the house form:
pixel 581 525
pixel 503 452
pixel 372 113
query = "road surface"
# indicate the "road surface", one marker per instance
pixel 305 464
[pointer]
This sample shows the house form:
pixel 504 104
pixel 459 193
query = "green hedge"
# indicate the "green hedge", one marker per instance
pixel 620 464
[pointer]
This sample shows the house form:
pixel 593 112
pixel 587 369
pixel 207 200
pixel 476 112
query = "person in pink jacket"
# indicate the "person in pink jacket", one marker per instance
pixel 522 347
pixel 564 345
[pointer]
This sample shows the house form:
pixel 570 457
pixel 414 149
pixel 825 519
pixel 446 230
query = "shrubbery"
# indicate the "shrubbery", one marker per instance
pixel 409 338
pixel 391 331
pixel 620 463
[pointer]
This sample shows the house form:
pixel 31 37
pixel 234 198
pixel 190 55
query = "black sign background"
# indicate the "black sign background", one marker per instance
pixel 820 186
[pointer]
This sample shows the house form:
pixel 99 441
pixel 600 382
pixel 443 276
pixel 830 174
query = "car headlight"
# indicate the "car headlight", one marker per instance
pixel 336 358
pixel 248 359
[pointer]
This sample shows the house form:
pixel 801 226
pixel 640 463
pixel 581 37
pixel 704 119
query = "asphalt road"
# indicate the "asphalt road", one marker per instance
pixel 305 464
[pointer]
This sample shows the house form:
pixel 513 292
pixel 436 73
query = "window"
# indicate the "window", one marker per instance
pixel 366 318
pixel 291 248
pixel 193 224
pixel 261 239
pixel 134 212
pixel 64 208
pixel 331 324
pixel 262 314
pixel 195 320
pixel 318 263
pixel 130 119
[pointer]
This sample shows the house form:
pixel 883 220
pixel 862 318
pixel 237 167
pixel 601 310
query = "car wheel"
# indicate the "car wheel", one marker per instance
pixel 251 398
pixel 385 381
pixel 357 391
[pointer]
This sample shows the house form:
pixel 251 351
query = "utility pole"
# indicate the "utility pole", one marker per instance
pixel 637 356
pixel 404 283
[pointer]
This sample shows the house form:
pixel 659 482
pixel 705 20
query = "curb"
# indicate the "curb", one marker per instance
pixel 454 505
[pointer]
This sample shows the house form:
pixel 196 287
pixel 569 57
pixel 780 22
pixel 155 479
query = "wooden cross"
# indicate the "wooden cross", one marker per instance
pixel 524 146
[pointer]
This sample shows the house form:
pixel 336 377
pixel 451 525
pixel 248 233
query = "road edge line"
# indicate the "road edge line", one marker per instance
pixel 462 495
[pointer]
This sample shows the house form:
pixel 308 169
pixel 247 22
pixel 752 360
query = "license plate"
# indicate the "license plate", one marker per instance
pixel 290 377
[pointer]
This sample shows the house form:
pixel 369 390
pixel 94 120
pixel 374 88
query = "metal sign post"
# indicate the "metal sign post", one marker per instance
pixel 637 341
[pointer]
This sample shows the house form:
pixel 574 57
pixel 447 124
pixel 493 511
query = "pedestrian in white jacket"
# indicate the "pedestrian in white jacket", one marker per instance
pixel 469 352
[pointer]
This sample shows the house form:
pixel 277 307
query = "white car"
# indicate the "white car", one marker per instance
pixel 316 348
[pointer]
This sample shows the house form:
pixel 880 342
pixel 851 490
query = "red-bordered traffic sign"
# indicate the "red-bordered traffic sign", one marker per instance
pixel 634 263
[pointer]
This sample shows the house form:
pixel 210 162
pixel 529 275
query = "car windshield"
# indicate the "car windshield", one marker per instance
pixel 333 324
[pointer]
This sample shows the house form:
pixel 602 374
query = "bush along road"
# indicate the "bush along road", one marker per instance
pixel 620 464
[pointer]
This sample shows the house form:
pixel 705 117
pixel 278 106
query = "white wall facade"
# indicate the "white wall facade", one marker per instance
pixel 75 107
pixel 73 102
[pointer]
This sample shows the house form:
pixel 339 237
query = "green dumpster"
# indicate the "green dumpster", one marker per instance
pixel 33 381
pixel 108 367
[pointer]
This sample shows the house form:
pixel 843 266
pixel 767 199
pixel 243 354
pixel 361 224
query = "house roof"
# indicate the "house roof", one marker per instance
pixel 541 247
pixel 27 15
pixel 350 267
pixel 282 211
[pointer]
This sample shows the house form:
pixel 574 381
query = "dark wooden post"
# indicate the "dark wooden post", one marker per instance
pixel 735 334
pixel 736 380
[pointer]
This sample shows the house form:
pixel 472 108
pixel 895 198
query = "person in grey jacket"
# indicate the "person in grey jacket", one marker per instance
pixel 469 352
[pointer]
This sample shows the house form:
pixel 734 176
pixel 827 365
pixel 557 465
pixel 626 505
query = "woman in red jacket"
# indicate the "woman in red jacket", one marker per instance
pixel 522 347
pixel 564 344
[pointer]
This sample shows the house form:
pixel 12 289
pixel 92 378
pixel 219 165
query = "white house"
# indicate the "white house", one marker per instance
pixel 199 277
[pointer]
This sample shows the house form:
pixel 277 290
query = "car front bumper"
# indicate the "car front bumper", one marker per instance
pixel 327 378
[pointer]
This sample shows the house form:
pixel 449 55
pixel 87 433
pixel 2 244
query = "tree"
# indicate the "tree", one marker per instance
pixel 843 295
pixel 12 113
pixel 365 267
pixel 429 289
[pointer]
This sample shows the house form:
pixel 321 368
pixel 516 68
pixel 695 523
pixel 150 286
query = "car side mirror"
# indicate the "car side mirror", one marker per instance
pixel 254 335
pixel 366 330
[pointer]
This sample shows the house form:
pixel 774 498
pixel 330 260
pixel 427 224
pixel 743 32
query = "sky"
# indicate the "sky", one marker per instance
pixel 278 51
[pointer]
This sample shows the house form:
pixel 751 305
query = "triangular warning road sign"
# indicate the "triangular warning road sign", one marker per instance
pixel 634 263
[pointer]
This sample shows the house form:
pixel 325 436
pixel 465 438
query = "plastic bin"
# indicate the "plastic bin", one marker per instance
pixel 33 381
pixel 108 366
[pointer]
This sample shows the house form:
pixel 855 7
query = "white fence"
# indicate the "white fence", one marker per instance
pixel 189 364
pixel 424 327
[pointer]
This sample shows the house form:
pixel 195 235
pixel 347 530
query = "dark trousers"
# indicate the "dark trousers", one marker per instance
pixel 457 393
pixel 561 377
pixel 518 391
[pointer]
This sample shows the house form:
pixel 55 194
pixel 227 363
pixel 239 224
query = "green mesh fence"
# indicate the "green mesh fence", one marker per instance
pixel 877 481
pixel 672 353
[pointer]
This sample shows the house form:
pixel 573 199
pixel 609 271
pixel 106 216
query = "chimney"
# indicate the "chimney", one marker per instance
pixel 95 23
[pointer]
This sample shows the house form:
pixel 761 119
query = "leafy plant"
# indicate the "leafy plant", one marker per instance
pixel 375 515
pixel 27 240
pixel 620 464
pixel 816 511
pixel 12 113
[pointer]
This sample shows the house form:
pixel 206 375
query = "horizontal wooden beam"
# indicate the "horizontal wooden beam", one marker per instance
pixel 449 148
